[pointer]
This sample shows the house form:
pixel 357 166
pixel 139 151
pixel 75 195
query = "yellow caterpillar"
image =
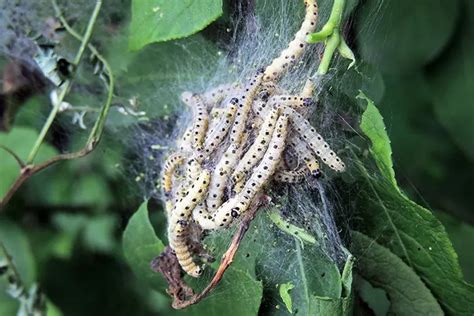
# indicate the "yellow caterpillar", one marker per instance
pixel 296 47
pixel 179 220
pixel 239 204
pixel 220 175
pixel 315 141
pixel 290 176
pixel 220 130
pixel 257 150
pixel 304 153
pixel 245 104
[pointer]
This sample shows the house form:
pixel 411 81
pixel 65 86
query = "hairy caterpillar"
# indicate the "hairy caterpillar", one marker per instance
pixel 258 148
pixel 296 47
pixel 315 141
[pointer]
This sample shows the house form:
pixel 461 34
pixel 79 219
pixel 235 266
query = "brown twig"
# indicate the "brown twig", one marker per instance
pixel 95 135
pixel 167 264
pixel 29 170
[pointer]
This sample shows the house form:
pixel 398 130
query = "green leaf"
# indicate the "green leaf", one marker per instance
pixel 161 20
pixel 373 126
pixel 410 231
pixel 394 34
pixel 20 140
pixel 281 259
pixel 407 292
pixel 285 295
pixel 18 247
pixel 141 246
pixel 451 81
pixel 99 232
pixel 237 294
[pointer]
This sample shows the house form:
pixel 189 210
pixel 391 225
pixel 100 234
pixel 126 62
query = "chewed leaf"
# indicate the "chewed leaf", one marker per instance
pixel 141 246
pixel 407 293
pixel 407 229
pixel 162 20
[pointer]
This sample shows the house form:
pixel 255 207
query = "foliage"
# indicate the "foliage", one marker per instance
pixel 72 228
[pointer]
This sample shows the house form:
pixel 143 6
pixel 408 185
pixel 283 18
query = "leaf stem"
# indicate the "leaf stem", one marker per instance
pixel 331 34
pixel 67 85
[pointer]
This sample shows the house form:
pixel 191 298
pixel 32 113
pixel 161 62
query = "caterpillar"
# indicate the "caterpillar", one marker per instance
pixel 308 89
pixel 245 104
pixel 295 102
pixel 315 141
pixel 295 231
pixel 179 221
pixel 200 117
pixel 220 176
pixel 215 96
pixel 239 204
pixel 297 45
pixel 202 217
pixel 304 153
pixel 261 107
pixel 218 133
pixel 257 150
pixel 172 162
pixel 290 176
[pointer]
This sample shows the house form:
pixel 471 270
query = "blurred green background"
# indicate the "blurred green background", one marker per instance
pixel 66 222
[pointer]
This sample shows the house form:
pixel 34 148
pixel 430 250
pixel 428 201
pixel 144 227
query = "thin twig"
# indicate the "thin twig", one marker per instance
pixel 95 135
pixel 67 85
pixel 20 162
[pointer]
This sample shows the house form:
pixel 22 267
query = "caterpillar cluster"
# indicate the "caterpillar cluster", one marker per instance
pixel 241 137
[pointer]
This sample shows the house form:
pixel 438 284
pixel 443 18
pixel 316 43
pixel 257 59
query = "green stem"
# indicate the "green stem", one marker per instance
pixel 330 33
pixel 64 90
pixel 331 46
pixel 336 14
pixel 331 25
pixel 96 132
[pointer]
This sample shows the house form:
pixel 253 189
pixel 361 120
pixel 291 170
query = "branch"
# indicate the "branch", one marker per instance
pixel 96 133
pixel 20 162
pixel 67 85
